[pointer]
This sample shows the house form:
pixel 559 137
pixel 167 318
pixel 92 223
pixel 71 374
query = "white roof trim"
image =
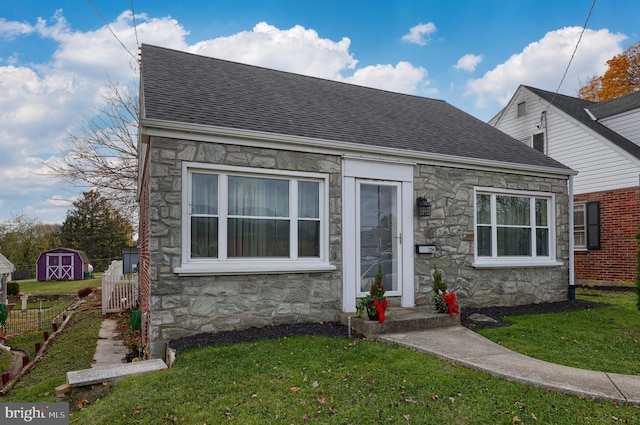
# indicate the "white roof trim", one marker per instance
pixel 206 133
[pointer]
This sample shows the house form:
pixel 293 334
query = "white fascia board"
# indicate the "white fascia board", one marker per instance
pixel 205 133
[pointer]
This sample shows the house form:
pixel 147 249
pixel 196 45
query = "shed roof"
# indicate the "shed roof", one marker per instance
pixel 192 89
pixel 6 266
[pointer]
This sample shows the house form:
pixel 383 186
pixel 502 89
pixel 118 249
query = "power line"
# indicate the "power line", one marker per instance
pixel 135 27
pixel 584 27
pixel 109 28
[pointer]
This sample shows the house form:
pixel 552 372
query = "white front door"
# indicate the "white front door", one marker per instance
pixel 379 236
pixel 377 217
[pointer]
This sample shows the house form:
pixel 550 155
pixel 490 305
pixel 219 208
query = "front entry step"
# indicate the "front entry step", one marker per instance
pixel 400 320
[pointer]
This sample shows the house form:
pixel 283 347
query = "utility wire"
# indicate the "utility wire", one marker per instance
pixel 108 27
pixel 135 27
pixel 584 27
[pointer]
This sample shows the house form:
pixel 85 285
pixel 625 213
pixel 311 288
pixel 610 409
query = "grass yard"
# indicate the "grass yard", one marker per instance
pixel 325 380
pixel 58 287
pixel 604 339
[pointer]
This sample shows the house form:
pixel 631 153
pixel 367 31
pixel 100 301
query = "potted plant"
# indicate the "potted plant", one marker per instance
pixel 375 303
pixel 443 300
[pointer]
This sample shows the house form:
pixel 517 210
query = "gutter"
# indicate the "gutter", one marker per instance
pixel 205 133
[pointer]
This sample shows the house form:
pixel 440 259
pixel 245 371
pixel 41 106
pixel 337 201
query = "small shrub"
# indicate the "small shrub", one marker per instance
pixel 13 288
pixel 84 292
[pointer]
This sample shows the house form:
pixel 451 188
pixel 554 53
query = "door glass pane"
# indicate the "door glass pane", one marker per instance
pixel 379 242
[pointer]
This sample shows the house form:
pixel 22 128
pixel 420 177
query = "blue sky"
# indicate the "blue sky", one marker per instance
pixel 56 58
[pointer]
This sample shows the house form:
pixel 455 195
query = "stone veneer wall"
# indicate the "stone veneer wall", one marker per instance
pixel 183 306
pixel 450 227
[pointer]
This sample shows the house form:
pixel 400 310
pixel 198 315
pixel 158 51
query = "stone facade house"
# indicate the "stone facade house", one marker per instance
pixel 601 141
pixel 269 197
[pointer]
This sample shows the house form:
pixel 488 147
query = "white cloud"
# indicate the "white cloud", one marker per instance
pixel 468 62
pixel 420 34
pixel 12 29
pixel 542 63
pixel 41 103
pixel 297 49
pixel 404 77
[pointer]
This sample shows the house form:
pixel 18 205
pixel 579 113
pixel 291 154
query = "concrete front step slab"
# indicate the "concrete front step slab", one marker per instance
pixel 401 320
pixel 92 376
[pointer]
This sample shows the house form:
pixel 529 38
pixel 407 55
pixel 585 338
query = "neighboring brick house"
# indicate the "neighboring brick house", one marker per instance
pixel 600 141
pixel 269 197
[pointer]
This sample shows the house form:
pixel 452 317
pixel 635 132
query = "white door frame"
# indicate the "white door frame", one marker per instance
pixel 354 170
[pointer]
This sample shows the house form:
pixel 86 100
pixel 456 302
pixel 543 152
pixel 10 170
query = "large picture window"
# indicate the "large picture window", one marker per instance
pixel 240 220
pixel 513 228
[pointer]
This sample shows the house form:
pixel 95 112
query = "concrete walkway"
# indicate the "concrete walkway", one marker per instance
pixel 108 361
pixel 462 346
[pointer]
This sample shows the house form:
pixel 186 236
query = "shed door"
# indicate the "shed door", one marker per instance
pixel 59 266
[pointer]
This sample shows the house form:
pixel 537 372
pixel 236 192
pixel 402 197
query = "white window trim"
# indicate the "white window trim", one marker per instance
pixel 584 226
pixel 241 266
pixel 533 261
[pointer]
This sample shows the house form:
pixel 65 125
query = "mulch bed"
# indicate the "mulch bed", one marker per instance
pixel 335 329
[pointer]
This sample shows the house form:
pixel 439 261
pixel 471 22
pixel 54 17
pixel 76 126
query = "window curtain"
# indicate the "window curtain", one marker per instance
pixel 258 223
pixel 204 211
pixel 514 212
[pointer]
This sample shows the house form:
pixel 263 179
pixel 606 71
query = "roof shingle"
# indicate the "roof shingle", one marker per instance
pixel 188 88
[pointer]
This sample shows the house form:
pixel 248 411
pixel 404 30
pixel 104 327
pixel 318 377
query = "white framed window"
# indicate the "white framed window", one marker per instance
pixel 579 225
pixel 239 220
pixel 514 228
pixel 522 109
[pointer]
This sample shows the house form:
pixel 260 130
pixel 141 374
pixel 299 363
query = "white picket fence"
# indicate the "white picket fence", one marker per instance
pixel 119 292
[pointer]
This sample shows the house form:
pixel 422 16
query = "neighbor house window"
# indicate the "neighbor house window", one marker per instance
pixel 538 142
pixel 522 109
pixel 586 225
pixel 579 226
pixel 514 227
pixel 240 220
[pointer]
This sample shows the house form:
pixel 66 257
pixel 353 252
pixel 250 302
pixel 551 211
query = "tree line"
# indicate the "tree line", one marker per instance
pixel 94 225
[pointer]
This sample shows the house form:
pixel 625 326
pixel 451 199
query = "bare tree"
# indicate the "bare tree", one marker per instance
pixel 103 154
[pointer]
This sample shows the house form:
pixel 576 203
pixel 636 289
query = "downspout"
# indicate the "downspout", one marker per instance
pixel 572 282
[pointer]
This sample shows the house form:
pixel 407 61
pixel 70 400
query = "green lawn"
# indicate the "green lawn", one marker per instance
pixel 604 339
pixel 58 287
pixel 324 380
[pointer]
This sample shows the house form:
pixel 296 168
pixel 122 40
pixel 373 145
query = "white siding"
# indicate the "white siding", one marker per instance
pixel 626 124
pixel 600 164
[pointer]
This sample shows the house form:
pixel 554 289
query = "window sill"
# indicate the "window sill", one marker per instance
pixel 252 266
pixel 515 263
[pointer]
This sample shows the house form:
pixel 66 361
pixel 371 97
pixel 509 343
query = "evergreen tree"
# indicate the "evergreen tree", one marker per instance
pixel 96 227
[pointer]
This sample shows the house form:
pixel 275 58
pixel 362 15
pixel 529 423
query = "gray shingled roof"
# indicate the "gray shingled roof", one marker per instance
pixel 188 88
pixel 575 107
pixel 616 106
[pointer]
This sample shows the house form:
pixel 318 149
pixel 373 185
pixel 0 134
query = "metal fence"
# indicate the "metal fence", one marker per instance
pixel 32 320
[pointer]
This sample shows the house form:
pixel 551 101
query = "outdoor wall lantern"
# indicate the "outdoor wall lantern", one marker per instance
pixel 424 207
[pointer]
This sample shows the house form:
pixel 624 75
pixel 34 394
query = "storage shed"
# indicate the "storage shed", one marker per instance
pixel 62 264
